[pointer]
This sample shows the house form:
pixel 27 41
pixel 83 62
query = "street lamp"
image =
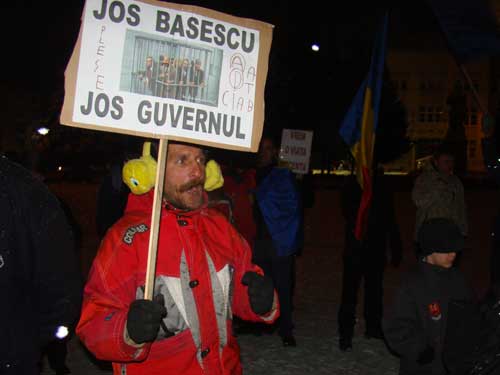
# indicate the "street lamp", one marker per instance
pixel 315 47
pixel 61 332
pixel 43 130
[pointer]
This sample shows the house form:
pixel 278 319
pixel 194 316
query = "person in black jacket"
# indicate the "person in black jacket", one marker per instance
pixel 277 202
pixel 113 193
pixel 492 163
pixel 366 259
pixel 417 325
pixel 39 276
pixel 111 199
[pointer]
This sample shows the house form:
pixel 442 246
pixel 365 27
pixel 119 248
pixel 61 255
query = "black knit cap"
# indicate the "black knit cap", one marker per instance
pixel 440 235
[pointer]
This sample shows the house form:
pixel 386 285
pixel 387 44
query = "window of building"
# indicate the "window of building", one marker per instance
pixel 400 84
pixel 430 114
pixel 472 117
pixel 421 113
pixel 471 149
pixel 411 117
pixel 438 114
pixel 427 85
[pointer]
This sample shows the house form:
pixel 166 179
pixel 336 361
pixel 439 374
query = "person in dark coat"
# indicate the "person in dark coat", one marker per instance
pixel 366 259
pixel 417 324
pixel 279 232
pixel 57 349
pixel 111 199
pixel 492 163
pixel 484 359
pixel 113 193
pixel 39 276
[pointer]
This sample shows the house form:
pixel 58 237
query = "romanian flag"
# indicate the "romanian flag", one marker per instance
pixel 360 123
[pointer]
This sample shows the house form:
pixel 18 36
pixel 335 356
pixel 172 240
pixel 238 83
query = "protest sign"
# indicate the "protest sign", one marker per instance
pixel 166 70
pixel 295 149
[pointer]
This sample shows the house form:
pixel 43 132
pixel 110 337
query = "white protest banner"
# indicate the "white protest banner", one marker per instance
pixel 296 149
pixel 166 70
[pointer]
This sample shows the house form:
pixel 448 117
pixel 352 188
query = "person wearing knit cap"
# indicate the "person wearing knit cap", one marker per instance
pixel 416 327
pixel 440 236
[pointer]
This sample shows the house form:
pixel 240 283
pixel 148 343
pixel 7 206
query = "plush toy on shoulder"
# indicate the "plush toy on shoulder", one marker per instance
pixel 140 174
pixel 213 176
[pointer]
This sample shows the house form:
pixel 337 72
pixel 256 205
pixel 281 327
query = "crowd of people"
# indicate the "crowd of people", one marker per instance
pixel 227 242
pixel 180 78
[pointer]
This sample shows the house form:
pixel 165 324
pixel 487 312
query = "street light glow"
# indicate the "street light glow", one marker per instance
pixel 43 130
pixel 62 332
pixel 315 47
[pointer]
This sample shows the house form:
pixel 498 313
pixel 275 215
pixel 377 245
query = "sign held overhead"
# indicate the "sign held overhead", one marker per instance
pixel 166 70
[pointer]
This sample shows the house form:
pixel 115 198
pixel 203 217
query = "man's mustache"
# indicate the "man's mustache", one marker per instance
pixel 191 184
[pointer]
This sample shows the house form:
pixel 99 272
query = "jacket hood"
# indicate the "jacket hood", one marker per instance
pixel 144 204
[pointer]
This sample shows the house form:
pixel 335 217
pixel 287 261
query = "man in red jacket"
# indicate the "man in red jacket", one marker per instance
pixel 204 274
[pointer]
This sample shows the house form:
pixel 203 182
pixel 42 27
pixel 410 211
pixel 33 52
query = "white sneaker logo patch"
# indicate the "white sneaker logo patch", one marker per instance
pixel 130 233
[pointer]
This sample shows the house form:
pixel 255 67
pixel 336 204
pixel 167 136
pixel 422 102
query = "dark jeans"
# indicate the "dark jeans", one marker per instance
pixel 56 354
pixel 367 265
pixel 280 269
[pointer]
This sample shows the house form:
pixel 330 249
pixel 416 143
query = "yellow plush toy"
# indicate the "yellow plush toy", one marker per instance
pixel 140 174
pixel 213 176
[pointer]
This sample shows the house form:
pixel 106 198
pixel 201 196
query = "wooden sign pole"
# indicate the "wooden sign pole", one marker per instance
pixel 155 220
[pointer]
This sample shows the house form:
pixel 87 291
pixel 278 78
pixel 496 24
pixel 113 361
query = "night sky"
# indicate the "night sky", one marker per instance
pixel 345 32
pixel 304 89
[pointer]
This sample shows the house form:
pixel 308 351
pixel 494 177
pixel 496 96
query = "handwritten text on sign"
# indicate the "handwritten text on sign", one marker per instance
pixel 163 69
pixel 296 149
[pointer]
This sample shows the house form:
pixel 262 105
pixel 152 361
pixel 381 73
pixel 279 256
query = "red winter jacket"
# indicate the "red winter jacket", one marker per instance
pixel 200 263
pixel 240 189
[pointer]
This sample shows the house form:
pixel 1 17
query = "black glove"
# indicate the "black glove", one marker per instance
pixel 260 292
pixel 426 356
pixel 144 318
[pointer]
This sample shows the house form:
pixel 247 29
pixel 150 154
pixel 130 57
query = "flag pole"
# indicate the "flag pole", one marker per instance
pixel 475 94
pixel 155 220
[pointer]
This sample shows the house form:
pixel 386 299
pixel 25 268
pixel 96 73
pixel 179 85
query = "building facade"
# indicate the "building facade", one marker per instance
pixel 425 80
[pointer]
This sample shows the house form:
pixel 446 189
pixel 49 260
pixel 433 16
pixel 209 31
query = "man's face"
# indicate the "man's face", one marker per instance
pixel 166 61
pixel 267 153
pixel 149 62
pixel 445 164
pixel 444 260
pixel 184 176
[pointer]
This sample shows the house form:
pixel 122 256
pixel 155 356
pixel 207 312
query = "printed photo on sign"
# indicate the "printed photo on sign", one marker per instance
pixel 167 68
